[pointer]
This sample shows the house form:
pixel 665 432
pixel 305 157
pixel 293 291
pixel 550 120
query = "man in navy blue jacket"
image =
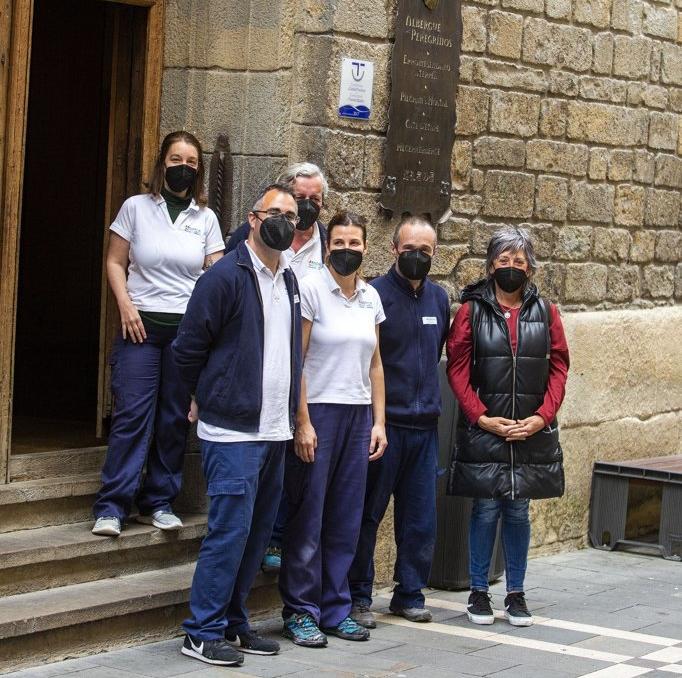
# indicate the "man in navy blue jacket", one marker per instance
pixel 239 350
pixel 306 255
pixel 411 340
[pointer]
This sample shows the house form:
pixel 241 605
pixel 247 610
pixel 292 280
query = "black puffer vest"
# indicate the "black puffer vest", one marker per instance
pixel 512 386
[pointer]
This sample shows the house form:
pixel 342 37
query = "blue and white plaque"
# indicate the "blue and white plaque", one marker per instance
pixel 355 97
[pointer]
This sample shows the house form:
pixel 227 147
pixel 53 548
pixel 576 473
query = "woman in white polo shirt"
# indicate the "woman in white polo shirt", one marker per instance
pixel 159 244
pixel 340 428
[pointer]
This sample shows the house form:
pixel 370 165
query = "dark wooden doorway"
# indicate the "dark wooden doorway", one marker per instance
pixel 85 91
pixel 60 257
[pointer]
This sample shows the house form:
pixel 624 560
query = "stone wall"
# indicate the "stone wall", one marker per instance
pixel 569 121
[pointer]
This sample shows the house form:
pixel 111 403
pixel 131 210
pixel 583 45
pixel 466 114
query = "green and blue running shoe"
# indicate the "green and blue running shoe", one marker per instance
pixel 302 630
pixel 348 629
pixel 272 560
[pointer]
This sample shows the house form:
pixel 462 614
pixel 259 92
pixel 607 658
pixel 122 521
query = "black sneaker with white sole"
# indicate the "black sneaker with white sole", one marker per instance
pixel 218 652
pixel 251 643
pixel 479 609
pixel 516 611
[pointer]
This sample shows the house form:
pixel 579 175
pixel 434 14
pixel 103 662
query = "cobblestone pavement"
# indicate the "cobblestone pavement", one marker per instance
pixel 597 614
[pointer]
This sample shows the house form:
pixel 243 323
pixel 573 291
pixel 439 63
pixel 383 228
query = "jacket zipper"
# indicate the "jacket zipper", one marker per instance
pixel 419 351
pixel 513 412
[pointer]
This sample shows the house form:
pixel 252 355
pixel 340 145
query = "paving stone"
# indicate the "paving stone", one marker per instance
pixel 66 667
pixel 472 664
pixel 431 639
pixel 617 645
pixel 154 665
pixel 535 672
pixel 539 658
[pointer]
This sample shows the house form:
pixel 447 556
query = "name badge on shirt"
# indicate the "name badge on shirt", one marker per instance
pixel 315 265
pixel 429 320
pixel 365 304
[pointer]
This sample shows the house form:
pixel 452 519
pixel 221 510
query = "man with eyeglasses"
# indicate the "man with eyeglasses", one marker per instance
pixel 239 350
pixel 308 248
pixel 305 255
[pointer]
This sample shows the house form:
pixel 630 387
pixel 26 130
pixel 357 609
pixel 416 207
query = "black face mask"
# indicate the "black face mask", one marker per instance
pixel 277 232
pixel 509 278
pixel 345 261
pixel 180 177
pixel 308 211
pixel 414 264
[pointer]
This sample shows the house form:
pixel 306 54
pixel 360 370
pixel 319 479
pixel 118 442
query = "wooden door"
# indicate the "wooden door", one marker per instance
pixel 136 50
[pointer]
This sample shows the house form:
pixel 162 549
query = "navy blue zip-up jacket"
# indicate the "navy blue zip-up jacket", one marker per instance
pixel 411 342
pixel 220 344
pixel 242 233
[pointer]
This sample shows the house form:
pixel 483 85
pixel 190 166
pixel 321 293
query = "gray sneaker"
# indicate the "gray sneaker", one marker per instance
pixel 361 614
pixel 107 526
pixel 164 520
pixel 413 614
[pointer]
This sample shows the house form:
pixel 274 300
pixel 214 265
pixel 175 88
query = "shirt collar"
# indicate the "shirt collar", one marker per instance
pixel 308 244
pixel 159 200
pixel 260 266
pixel 360 284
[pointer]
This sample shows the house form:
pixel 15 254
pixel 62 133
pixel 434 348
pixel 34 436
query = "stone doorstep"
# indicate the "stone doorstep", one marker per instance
pixel 66 606
pixel 62 542
pixel 39 465
pixel 49 488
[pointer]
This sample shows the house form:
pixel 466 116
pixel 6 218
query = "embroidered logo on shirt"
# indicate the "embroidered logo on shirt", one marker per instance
pixel 365 304
pixel 194 230
pixel 316 265
pixel 429 320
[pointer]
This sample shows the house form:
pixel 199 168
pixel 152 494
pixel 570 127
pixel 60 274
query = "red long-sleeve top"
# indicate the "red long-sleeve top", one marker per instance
pixel 459 347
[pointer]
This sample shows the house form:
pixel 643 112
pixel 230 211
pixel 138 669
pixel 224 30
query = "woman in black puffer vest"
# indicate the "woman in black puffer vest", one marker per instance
pixel 507 364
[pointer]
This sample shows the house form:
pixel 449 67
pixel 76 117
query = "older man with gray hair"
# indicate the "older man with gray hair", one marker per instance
pixel 308 248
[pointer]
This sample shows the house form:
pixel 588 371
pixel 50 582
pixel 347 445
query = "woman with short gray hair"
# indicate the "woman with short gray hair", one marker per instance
pixel 507 365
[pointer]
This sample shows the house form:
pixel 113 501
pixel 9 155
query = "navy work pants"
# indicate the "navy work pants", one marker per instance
pixel 241 480
pixel 149 424
pixel 325 511
pixel 407 470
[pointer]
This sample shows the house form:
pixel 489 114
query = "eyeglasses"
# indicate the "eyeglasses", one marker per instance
pixel 274 212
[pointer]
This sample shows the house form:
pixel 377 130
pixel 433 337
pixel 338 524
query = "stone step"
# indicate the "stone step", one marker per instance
pixel 34 466
pixel 48 557
pixel 95 616
pixel 45 502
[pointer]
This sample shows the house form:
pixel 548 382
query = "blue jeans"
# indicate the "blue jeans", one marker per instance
pixel 515 540
pixel 241 480
pixel 407 471
pixel 325 511
pixel 149 424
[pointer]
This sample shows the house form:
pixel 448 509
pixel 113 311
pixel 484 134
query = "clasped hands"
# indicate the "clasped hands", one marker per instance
pixel 512 429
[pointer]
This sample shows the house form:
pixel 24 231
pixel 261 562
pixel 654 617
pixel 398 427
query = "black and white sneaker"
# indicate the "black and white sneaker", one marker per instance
pixel 218 652
pixel 250 642
pixel 515 610
pixel 479 609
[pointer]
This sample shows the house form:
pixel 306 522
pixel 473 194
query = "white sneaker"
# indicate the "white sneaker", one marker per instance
pixel 164 520
pixel 107 526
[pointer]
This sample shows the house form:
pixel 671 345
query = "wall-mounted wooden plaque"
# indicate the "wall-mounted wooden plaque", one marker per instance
pixel 421 130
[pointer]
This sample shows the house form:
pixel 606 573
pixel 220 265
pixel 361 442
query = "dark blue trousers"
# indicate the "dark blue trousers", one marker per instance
pixel 408 470
pixel 241 481
pixel 282 513
pixel 148 423
pixel 325 510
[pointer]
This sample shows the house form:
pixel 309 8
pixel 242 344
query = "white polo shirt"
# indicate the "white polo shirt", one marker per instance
pixel 166 258
pixel 309 258
pixel 274 415
pixel 342 339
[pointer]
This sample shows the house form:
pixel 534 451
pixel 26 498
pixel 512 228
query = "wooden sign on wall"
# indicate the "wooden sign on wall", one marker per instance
pixel 421 130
